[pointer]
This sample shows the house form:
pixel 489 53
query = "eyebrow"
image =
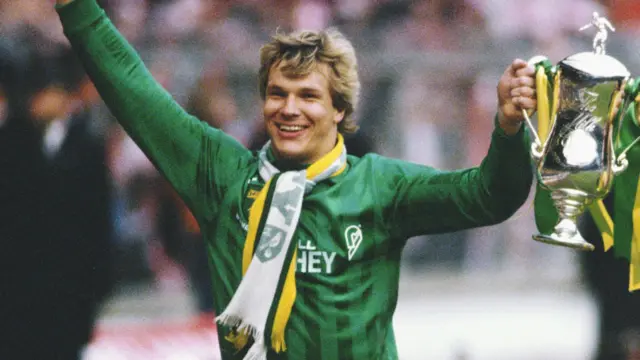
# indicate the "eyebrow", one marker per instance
pixel 274 88
pixel 310 90
pixel 307 89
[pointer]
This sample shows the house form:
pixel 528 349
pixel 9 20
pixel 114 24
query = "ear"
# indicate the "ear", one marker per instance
pixel 338 117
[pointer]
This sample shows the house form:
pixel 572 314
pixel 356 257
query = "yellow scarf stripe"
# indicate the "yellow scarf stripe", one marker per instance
pixel 603 221
pixel 340 171
pixel 255 214
pixel 544 111
pixel 321 165
pixel 634 267
pixel 285 305
pixel 634 258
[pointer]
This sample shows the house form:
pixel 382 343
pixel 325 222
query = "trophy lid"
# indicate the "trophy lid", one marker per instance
pixel 597 65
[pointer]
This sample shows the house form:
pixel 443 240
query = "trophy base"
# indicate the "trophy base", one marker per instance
pixel 576 241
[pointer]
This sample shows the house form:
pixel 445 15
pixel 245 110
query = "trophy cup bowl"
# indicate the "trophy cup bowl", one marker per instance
pixel 577 162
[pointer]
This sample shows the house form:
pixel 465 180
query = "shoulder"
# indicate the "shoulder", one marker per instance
pixel 386 169
pixel 380 162
pixel 224 146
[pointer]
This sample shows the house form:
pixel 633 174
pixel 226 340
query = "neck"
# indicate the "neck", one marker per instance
pixel 285 164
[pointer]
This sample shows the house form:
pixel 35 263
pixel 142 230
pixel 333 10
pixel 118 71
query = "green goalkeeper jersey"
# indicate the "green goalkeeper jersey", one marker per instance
pixel 352 227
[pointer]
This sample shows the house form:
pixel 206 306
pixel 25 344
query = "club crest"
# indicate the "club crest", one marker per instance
pixel 353 239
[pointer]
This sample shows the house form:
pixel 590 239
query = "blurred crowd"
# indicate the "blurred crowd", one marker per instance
pixel 429 71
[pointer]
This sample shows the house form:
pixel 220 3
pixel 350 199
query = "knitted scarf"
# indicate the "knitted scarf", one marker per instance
pixel 261 306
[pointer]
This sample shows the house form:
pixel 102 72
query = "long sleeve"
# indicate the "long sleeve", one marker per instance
pixel 189 153
pixel 431 201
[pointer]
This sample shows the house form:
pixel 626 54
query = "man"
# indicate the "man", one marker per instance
pixel 55 228
pixel 607 277
pixel 304 242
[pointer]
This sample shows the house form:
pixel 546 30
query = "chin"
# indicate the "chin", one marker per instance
pixel 289 153
pixel 285 154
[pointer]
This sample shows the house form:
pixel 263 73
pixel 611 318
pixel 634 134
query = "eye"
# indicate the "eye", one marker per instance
pixel 309 95
pixel 277 93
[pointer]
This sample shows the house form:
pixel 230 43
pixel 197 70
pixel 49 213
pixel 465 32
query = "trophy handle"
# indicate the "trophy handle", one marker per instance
pixel 537 146
pixel 622 162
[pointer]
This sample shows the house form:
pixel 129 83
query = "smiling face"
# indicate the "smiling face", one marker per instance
pixel 299 114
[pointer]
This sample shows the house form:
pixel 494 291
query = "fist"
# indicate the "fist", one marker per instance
pixel 516 92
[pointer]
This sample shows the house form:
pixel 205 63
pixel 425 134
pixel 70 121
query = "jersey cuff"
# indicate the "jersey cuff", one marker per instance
pixel 498 132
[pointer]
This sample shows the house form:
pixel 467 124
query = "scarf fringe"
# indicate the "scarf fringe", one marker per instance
pixel 277 342
pixel 239 337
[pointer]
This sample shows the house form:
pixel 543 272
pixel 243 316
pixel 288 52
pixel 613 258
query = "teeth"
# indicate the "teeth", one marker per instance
pixel 291 127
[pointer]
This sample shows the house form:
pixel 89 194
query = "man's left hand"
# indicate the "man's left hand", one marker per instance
pixel 516 92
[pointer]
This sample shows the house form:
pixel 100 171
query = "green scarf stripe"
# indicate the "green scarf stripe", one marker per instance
pixel 549 69
pixel 546 215
pixel 625 186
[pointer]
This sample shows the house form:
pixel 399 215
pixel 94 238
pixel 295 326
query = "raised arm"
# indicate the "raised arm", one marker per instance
pixel 184 149
pixel 431 201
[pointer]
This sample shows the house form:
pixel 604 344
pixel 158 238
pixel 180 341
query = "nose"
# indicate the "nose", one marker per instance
pixel 290 108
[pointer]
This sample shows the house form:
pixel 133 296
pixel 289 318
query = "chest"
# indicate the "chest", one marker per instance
pixel 338 229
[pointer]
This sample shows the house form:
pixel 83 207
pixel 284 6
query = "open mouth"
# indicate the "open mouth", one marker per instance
pixel 290 128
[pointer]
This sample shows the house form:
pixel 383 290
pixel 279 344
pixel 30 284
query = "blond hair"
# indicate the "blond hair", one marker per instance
pixel 300 53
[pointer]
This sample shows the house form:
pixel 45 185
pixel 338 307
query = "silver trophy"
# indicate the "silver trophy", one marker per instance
pixel 577 162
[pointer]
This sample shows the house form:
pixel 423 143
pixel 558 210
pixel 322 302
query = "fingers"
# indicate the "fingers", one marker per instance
pixel 527 70
pixel 520 67
pixel 521 74
pixel 517 74
pixel 523 102
pixel 517 91
pixel 523 90
pixel 522 84
pixel 517 64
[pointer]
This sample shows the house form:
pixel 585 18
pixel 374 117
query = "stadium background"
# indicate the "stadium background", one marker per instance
pixel 429 71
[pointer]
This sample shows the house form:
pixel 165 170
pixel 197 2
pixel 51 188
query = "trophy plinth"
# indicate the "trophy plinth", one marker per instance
pixel 570 204
pixel 574 241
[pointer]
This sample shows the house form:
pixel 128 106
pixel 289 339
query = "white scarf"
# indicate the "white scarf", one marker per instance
pixel 265 275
